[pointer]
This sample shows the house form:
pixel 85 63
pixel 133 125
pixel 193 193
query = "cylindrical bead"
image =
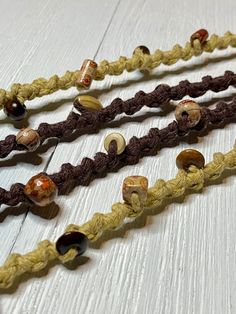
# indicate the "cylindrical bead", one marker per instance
pixel 87 73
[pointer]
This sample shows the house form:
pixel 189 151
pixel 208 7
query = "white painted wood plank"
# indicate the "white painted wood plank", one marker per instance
pixel 180 261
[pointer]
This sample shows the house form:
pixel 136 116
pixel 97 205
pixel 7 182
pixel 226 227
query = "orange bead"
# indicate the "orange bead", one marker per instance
pixel 87 73
pixel 135 184
pixel 41 190
pixel 190 157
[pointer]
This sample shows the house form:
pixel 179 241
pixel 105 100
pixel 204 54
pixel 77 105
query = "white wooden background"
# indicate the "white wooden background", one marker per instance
pixel 182 260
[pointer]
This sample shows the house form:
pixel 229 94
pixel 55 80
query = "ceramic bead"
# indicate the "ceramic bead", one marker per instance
pixel 87 73
pixel 41 190
pixel 15 110
pixel 89 103
pixel 29 138
pixel 144 50
pixel 135 184
pixel 120 141
pixel 190 157
pixel 72 240
pixel 190 109
pixel 201 35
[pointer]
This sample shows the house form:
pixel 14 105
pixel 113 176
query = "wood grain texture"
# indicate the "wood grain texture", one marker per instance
pixel 182 260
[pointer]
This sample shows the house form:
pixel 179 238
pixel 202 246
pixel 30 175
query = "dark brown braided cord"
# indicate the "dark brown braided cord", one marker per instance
pixel 103 163
pixel 89 121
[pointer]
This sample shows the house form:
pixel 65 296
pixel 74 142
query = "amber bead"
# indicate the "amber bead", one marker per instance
pixel 87 73
pixel 190 109
pixel 29 138
pixel 135 184
pixel 201 35
pixel 190 157
pixel 15 110
pixel 41 190
pixel 144 50
pixel 120 141
pixel 72 240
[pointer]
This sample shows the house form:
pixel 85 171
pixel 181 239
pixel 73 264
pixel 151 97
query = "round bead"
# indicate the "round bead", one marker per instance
pixel 89 103
pixel 41 190
pixel 144 50
pixel 190 109
pixel 190 157
pixel 201 35
pixel 29 138
pixel 15 110
pixel 71 240
pixel 120 141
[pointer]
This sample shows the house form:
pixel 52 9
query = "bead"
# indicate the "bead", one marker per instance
pixel 190 157
pixel 41 190
pixel 201 35
pixel 190 109
pixel 144 50
pixel 29 138
pixel 120 141
pixel 15 110
pixel 89 103
pixel 87 73
pixel 135 184
pixel 70 240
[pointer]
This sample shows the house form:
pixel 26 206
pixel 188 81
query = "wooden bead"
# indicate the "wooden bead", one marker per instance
pixel 120 141
pixel 87 73
pixel 41 190
pixel 190 109
pixel 144 50
pixel 89 103
pixel 135 184
pixel 190 157
pixel 201 35
pixel 72 240
pixel 29 138
pixel 15 110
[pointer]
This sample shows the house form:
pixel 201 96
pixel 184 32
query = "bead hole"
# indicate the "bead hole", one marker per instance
pixel 184 114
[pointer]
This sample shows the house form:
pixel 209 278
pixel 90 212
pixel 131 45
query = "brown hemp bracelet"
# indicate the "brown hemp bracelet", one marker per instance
pixel 42 188
pixel 91 120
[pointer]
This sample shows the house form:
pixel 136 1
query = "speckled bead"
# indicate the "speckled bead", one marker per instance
pixel 88 102
pixel 190 157
pixel 41 190
pixel 135 184
pixel 14 110
pixel 87 73
pixel 190 109
pixel 120 141
pixel 144 50
pixel 72 240
pixel 201 35
pixel 29 138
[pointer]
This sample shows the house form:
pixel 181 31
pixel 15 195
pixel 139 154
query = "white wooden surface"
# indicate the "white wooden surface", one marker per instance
pixel 182 260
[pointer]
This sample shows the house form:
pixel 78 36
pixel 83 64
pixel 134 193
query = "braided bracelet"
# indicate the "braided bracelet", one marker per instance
pixel 13 101
pixel 42 189
pixel 138 198
pixel 91 114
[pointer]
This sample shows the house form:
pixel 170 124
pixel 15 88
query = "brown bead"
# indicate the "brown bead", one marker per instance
pixel 144 50
pixel 201 35
pixel 15 110
pixel 41 190
pixel 190 109
pixel 72 240
pixel 190 157
pixel 29 138
pixel 88 102
pixel 135 184
pixel 87 73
